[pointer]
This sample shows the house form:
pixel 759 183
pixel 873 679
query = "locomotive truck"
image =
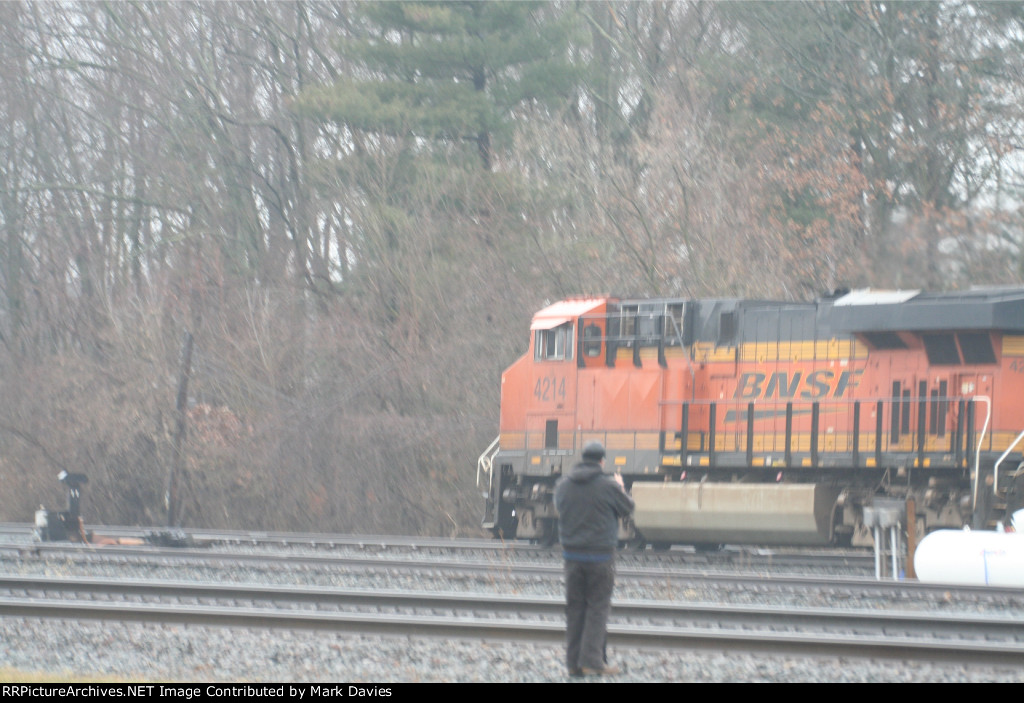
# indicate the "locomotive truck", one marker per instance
pixel 768 422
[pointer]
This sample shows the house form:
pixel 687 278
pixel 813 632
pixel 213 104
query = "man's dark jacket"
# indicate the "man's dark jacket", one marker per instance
pixel 589 504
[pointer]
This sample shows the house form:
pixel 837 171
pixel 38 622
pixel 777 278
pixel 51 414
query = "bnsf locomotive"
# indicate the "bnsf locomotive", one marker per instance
pixel 763 422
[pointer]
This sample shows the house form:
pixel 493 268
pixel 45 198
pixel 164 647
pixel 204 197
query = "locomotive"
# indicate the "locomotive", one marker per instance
pixel 768 422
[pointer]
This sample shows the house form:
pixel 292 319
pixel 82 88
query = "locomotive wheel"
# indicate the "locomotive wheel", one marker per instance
pixel 706 547
pixel 843 538
pixel 549 533
pixel 985 514
pixel 506 533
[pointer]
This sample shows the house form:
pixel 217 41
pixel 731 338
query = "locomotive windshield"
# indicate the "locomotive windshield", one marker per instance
pixel 555 344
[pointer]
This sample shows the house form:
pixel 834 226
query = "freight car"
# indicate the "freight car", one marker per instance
pixel 766 422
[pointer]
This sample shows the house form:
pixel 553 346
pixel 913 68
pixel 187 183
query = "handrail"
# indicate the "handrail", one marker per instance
pixel 977 450
pixel 995 469
pixel 485 462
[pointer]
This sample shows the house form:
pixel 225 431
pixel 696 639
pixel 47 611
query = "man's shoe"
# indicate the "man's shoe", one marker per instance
pixel 575 672
pixel 606 670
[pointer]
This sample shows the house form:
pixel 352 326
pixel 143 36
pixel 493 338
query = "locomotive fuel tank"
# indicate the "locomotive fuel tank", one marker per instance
pixel 712 513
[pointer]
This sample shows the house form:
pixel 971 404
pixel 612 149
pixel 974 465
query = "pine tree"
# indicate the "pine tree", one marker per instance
pixel 450 71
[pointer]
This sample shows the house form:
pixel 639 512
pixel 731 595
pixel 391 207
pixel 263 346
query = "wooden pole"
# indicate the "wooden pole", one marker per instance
pixel 171 499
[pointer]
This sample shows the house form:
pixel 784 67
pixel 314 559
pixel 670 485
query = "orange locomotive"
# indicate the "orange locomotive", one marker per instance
pixel 768 422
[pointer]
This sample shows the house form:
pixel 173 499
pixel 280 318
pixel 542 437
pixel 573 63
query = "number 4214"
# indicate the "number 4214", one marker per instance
pixel 549 388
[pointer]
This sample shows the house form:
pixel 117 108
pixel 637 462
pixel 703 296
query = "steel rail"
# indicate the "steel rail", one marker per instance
pixel 947 625
pixel 732 556
pixel 500 566
pixel 619 634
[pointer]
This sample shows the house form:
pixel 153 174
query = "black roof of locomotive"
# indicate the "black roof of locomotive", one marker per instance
pixel 854 312
pixel 978 309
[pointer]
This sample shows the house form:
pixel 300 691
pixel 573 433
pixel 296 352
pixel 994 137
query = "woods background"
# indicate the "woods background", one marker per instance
pixel 356 208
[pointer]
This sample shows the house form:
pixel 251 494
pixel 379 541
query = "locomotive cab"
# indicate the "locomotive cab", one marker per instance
pixel 538 437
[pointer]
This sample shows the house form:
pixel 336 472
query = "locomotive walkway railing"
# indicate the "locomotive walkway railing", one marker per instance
pixel 903 432
pixel 485 463
pixel 868 431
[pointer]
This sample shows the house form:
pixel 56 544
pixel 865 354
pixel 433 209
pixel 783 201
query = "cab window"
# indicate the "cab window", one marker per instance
pixel 555 344
pixel 592 340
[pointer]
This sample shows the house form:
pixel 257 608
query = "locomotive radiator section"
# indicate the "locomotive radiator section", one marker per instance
pixel 712 513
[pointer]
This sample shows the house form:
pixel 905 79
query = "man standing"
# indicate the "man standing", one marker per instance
pixel 589 504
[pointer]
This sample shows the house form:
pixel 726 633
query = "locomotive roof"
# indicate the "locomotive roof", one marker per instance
pixel 563 311
pixel 912 311
pixel 859 311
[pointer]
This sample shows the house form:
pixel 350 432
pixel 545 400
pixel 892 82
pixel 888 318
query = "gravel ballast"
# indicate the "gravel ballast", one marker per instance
pixel 142 652
pixel 190 653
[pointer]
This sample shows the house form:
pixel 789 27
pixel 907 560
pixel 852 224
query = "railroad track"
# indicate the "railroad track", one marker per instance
pixel 504 570
pixel 805 560
pixel 648 624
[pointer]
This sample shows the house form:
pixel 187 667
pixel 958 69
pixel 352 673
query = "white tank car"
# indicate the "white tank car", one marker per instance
pixel 972 558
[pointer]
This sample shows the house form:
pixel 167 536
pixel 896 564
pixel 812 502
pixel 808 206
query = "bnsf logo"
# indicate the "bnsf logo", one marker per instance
pixel 816 384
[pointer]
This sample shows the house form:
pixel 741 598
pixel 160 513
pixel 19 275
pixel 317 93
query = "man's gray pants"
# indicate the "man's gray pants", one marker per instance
pixel 588 596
